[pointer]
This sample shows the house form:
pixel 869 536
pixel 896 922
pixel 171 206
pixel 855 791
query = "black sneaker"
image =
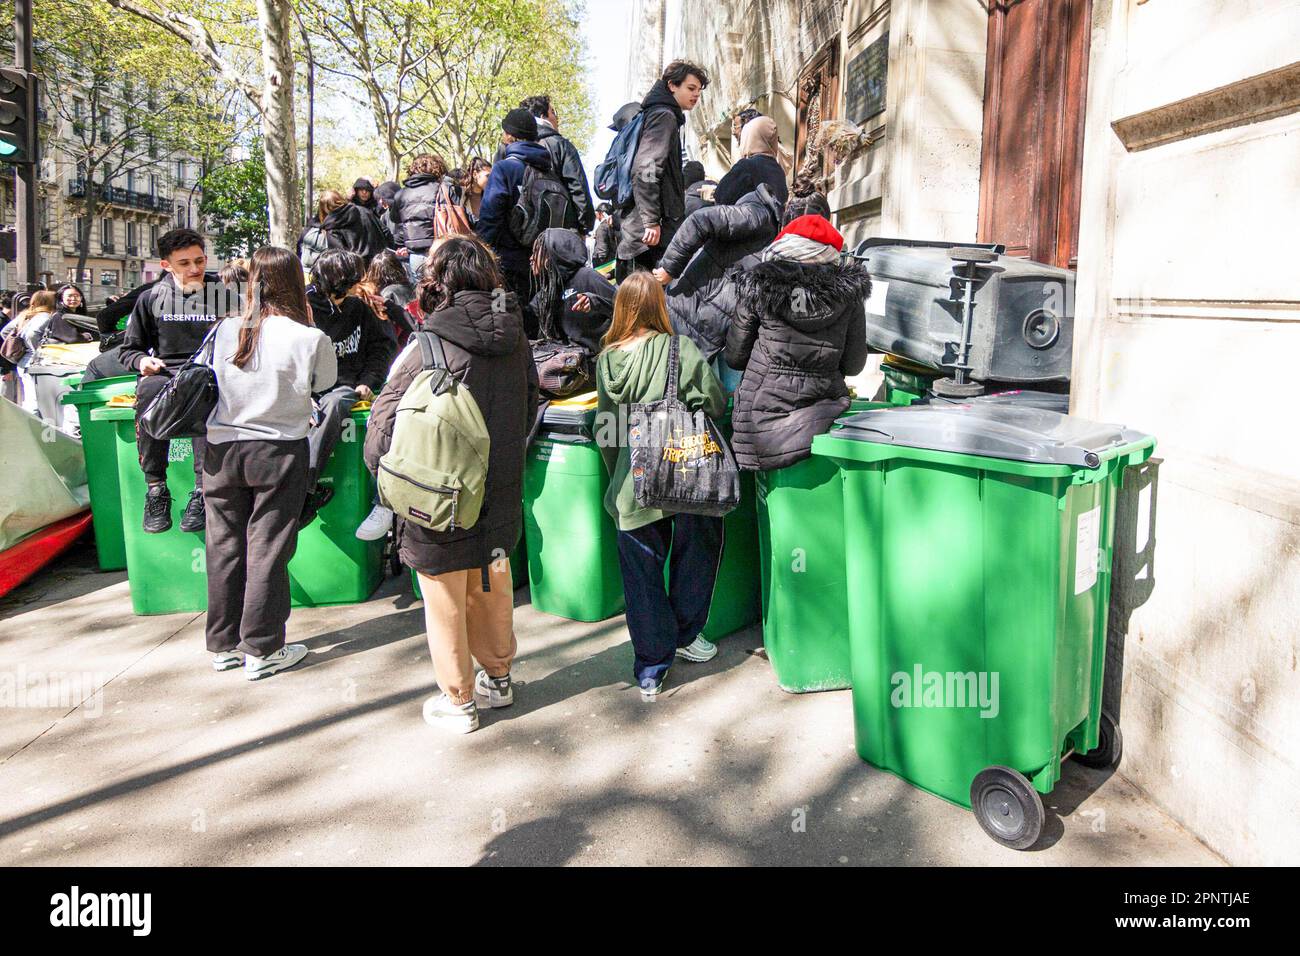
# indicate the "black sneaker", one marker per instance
pixel 317 499
pixel 193 518
pixel 157 510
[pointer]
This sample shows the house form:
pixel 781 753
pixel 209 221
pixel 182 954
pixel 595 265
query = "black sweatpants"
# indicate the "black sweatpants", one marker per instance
pixel 255 492
pixel 335 407
pixel 153 453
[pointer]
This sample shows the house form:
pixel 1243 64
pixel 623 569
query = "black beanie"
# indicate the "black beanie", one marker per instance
pixel 520 124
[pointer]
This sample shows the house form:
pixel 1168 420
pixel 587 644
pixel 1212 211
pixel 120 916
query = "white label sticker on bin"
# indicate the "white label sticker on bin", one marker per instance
pixel 876 301
pixel 1087 538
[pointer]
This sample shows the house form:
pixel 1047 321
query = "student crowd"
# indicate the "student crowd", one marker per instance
pixel 744 275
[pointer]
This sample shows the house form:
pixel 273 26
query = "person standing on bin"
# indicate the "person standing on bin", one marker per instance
pixel 269 362
pixel 363 350
pixel 801 309
pixel 168 323
pixel 464 573
pixel 519 135
pixel 658 184
pixel 633 368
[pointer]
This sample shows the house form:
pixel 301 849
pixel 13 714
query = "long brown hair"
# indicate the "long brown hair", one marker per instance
pixel 458 264
pixel 42 301
pixel 275 287
pixel 330 200
pixel 639 305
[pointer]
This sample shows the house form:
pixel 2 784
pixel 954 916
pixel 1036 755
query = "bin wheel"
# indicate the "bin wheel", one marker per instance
pixel 1007 807
pixel 1109 749
pixel 394 561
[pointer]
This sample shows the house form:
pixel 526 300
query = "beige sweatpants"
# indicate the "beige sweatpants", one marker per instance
pixel 466 623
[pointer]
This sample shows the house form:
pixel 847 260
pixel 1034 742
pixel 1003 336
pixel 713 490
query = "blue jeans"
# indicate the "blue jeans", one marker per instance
pixel 660 619
pixel 414 261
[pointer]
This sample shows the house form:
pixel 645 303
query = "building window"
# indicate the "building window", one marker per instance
pixel 79 228
pixel 153 185
pixel 106 234
pixel 130 180
pixel 108 277
pixel 132 239
pixel 105 126
pixel 180 171
pixel 153 240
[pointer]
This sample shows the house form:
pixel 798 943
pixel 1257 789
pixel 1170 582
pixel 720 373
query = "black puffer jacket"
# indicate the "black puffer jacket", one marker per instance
pixel 488 352
pixel 794 360
pixel 412 210
pixel 702 300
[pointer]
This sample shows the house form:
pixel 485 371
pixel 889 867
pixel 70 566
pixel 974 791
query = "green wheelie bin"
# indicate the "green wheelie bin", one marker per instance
pixel 167 572
pixel 978 554
pixel 573 569
pixel 737 599
pixel 99 445
pixel 905 385
pixel 801 552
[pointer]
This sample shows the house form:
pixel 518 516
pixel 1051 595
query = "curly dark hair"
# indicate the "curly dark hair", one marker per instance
pixel 459 264
pixel 429 163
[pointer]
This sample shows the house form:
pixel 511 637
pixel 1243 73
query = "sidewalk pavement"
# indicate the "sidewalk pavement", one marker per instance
pixel 330 763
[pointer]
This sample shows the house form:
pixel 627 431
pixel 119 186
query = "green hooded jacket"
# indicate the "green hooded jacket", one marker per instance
pixel 638 376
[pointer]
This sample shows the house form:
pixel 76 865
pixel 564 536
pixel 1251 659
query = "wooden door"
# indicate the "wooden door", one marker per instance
pixel 1035 85
pixel 819 100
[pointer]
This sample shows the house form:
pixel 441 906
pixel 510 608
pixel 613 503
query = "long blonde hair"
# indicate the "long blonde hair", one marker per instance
pixel 639 306
pixel 42 301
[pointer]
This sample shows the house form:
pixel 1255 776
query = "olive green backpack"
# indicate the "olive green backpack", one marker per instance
pixel 435 470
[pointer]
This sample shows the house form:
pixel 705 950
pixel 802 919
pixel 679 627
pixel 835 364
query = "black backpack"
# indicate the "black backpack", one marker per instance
pixel 544 203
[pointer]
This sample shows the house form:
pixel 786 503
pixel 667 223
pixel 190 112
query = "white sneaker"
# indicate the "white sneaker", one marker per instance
pixel 439 711
pixel 698 651
pixel 227 660
pixel 376 524
pixel 651 688
pixel 497 691
pixel 255 668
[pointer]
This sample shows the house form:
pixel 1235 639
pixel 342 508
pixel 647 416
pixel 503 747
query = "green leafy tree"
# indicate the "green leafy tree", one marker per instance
pixel 234 200
pixel 111 83
pixel 438 75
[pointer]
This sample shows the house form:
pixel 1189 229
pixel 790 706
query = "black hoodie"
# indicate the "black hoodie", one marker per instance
pixel 363 348
pixel 488 353
pixel 355 229
pixel 658 183
pixel 170 325
pixel 553 303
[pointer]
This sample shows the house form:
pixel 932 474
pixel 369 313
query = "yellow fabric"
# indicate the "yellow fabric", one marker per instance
pixel 77 353
pixel 582 402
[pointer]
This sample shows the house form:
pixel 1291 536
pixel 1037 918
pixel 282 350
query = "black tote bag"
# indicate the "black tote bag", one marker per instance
pixel 681 464
pixel 182 408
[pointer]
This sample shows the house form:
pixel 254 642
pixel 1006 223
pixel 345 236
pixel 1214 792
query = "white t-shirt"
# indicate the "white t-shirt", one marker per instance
pixel 270 398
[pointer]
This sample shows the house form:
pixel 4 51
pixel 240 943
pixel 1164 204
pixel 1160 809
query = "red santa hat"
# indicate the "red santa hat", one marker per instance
pixel 815 228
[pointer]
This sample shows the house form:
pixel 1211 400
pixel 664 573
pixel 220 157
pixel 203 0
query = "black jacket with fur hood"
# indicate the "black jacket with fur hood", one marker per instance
pixel 799 330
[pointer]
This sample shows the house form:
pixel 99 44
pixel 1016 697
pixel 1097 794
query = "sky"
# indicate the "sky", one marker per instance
pixel 606 32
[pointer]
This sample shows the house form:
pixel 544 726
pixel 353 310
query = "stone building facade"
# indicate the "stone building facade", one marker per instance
pixel 1149 144
pixel 158 193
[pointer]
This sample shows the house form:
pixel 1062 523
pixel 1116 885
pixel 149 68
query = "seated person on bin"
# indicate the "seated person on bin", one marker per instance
pixel 168 323
pixel 801 309
pixel 364 351
pixel 573 302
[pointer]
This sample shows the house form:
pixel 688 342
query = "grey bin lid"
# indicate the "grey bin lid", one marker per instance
pixel 990 430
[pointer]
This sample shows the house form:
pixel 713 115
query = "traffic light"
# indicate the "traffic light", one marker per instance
pixel 17 116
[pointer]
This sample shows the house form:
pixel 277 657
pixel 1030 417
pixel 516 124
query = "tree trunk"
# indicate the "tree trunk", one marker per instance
pixel 89 207
pixel 278 137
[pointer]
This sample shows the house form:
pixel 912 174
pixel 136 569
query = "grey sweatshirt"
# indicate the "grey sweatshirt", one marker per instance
pixel 270 398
